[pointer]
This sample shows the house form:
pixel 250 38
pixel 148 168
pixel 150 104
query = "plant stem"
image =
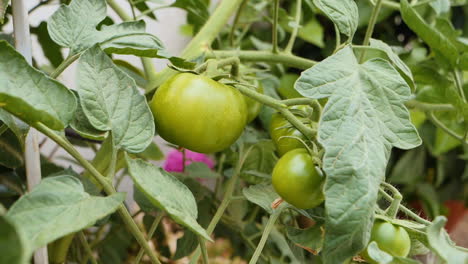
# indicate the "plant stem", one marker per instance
pixel 392 210
pixel 459 84
pixel 337 38
pixel 69 60
pixel 219 64
pixel 265 56
pixel 202 242
pixel 295 30
pixel 151 231
pixel 266 232
pixel 86 247
pixel 108 188
pixel 442 126
pixel 31 147
pixel 370 26
pixel 231 186
pixel 236 21
pixel 202 41
pixel 274 38
pixel 119 10
pixel 428 106
pixel 404 209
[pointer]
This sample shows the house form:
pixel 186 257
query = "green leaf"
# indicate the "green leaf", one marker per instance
pixel 440 243
pixel 30 95
pixel 344 13
pixel 111 102
pixel 200 170
pixel 440 6
pixel 395 60
pixel 363 118
pixel 11 150
pixel 74 26
pixel 81 124
pixel 3 8
pixel 285 248
pixel 152 152
pixel 310 239
pixel 59 206
pixel 19 128
pixel 12 244
pixel 263 195
pixel 52 51
pixel 167 193
pixel 437 40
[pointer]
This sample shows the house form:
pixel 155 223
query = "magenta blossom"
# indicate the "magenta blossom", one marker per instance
pixel 173 162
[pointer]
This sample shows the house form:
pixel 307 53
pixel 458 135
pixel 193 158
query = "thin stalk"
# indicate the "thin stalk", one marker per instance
pixel 3 128
pixel 219 180
pixel 404 209
pixel 69 60
pixel 264 56
pixel 31 150
pixel 370 27
pixel 428 106
pixel 202 41
pixel 392 210
pixel 295 30
pixel 266 232
pixel 337 38
pixel 442 126
pixel 219 64
pixel 86 247
pixel 274 38
pixel 236 21
pixel 202 242
pixel 151 231
pixel 459 84
pixel 106 185
pixel 119 10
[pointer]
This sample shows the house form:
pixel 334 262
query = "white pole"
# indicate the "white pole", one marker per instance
pixel 32 154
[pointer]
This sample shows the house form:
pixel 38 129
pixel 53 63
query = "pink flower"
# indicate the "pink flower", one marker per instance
pixel 173 162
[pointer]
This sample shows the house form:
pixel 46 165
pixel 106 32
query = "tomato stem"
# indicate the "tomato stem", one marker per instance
pixel 87 248
pixel 151 231
pixel 370 27
pixel 274 38
pixel 392 210
pixel 266 232
pixel 295 30
pixel 104 182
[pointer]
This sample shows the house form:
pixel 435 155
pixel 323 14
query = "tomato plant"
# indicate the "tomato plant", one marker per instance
pixel 297 180
pixel 237 131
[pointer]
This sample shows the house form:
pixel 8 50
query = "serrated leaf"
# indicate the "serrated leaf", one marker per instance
pixel 263 195
pixel 440 243
pixel 167 193
pixel 12 244
pixel 111 102
pixel 59 206
pixel 363 118
pixel 437 40
pixel 394 59
pixel 30 95
pixel 81 124
pixel 74 26
pixel 344 13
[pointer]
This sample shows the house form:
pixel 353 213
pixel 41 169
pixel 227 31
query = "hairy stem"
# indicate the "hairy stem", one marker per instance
pixel 265 56
pixel 65 63
pixel 404 209
pixel 202 242
pixel 274 38
pixel 266 232
pixel 392 210
pixel 106 185
pixel 442 126
pixel 295 30
pixel 370 26
pixel 151 231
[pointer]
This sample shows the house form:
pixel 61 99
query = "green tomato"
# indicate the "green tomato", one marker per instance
pixel 280 127
pixel 390 238
pixel 254 106
pixel 297 180
pixel 286 87
pixel 198 113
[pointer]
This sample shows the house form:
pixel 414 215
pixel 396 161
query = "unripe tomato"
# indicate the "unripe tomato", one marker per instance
pixel 253 106
pixel 390 238
pixel 198 113
pixel 286 87
pixel 297 180
pixel 280 127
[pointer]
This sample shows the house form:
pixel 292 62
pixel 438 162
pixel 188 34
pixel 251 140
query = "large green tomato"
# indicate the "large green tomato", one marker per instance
pixel 280 127
pixel 286 87
pixel 254 106
pixel 390 238
pixel 198 113
pixel 297 180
